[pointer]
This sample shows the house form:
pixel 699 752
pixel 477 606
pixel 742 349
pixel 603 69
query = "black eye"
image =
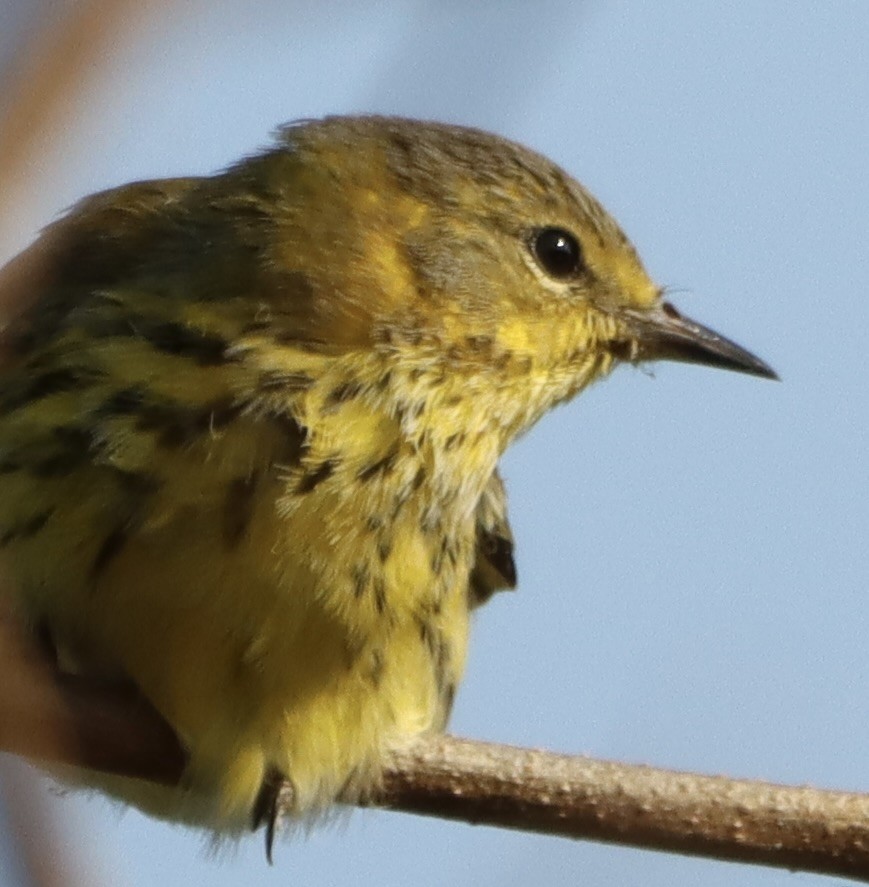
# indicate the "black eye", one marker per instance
pixel 558 252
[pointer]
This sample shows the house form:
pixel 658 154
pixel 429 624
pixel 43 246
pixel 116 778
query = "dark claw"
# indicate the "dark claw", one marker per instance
pixel 274 797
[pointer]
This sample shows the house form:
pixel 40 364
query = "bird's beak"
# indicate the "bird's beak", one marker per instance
pixel 662 333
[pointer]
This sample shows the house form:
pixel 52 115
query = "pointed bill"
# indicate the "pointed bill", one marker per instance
pixel 662 333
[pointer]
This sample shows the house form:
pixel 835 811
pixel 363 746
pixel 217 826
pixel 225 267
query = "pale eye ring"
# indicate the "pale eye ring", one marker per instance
pixel 557 252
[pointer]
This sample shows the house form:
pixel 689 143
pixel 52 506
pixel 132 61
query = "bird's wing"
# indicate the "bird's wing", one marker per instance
pixel 84 251
pixel 494 568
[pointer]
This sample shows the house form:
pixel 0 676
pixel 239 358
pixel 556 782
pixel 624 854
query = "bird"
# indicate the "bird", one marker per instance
pixel 250 430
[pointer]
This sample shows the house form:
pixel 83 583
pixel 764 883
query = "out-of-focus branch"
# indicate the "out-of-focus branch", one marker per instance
pixel 41 715
pixel 66 720
pixel 47 849
pixel 49 74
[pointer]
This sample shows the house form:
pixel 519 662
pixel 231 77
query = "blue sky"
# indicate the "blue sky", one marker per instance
pixel 692 544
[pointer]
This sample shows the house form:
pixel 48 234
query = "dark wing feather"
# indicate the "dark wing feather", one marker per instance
pixel 494 568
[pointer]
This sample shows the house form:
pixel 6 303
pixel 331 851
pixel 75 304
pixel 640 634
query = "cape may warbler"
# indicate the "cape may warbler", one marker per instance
pixel 250 427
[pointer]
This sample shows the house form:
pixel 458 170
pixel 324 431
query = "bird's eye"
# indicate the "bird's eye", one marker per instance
pixel 558 252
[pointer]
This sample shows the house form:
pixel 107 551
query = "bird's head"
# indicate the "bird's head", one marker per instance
pixel 470 256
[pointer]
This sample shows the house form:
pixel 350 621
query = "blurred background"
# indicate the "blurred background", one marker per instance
pixel 692 545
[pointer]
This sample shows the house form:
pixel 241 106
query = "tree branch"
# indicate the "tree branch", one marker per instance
pixel 64 719
pixel 576 797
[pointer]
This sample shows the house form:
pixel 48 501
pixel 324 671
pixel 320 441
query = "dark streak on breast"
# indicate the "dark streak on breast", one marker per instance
pixel 178 425
pixel 343 392
pixel 69 447
pixel 311 480
pixel 382 467
pixel 384 549
pixel 238 508
pixel 360 580
pixel 293 436
pixel 109 549
pixel 137 488
pixel 26 528
pixel 205 349
pixel 375 674
pixel 28 390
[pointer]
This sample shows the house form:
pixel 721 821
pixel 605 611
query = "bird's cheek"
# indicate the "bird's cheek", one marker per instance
pixel 517 336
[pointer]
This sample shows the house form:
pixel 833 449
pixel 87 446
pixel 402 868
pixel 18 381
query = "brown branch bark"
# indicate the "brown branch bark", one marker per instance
pixel 713 816
pixel 67 720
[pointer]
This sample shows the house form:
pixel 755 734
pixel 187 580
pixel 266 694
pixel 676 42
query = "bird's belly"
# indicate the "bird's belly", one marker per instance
pixel 262 661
